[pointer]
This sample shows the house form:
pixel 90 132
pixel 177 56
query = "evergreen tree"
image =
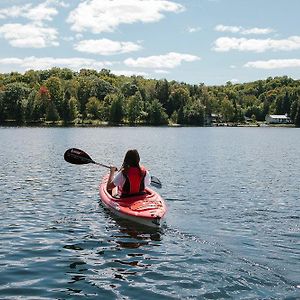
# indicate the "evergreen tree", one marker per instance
pixel 286 103
pixel 83 94
pixel 29 106
pixel 74 112
pixel 116 109
pixel 227 110
pixel 2 107
pixel 135 108
pixel 162 93
pixel 56 92
pixel 297 116
pixel 51 112
pixel 157 114
pixel 178 98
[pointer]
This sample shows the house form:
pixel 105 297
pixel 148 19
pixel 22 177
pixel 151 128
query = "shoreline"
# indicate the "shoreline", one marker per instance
pixel 106 124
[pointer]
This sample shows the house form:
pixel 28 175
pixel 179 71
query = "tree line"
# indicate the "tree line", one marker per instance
pixel 62 95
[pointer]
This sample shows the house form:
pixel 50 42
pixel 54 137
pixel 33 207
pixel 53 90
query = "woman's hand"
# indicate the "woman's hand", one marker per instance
pixel 113 169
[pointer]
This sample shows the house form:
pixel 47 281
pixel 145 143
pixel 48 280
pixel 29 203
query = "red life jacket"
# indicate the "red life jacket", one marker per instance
pixel 134 181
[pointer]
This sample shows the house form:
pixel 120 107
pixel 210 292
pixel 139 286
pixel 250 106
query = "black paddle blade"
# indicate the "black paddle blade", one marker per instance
pixel 156 182
pixel 77 157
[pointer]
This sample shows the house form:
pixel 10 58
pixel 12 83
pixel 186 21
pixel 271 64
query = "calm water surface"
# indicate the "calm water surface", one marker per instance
pixel 232 228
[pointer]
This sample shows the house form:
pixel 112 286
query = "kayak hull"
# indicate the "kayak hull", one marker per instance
pixel 148 209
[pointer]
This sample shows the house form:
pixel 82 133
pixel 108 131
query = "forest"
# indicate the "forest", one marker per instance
pixel 64 97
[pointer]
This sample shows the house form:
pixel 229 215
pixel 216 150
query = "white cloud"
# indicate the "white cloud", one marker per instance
pixel 68 38
pixel 129 73
pixel 42 12
pixel 242 30
pixel 225 44
pixel 168 61
pixel 193 29
pixel 14 11
pixel 257 30
pixel 106 47
pixel 107 15
pixel 274 64
pixel 223 28
pixel 35 63
pixel 161 72
pixel 29 36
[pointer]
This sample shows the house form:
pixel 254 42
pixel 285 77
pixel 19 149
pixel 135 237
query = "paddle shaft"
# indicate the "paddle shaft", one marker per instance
pixel 99 164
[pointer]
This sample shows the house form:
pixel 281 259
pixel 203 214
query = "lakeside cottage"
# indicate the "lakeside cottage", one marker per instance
pixel 277 119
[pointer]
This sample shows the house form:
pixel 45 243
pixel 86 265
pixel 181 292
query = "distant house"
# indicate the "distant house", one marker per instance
pixel 215 118
pixel 277 119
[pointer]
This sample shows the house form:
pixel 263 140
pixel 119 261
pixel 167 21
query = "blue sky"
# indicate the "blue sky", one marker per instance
pixel 193 41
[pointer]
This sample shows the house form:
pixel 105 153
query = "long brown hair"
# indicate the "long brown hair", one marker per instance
pixel 131 159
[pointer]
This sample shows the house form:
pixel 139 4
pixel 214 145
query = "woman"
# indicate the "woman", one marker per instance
pixel 131 179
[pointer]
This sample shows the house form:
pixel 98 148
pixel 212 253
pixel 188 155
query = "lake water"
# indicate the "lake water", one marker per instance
pixel 232 229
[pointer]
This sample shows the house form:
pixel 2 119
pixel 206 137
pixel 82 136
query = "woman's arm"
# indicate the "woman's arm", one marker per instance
pixel 147 179
pixel 110 185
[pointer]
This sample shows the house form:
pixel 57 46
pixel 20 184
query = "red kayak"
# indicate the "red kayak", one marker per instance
pixel 147 209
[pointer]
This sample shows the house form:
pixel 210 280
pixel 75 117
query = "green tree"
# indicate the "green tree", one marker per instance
pixel 100 88
pixel 180 115
pixel 178 97
pixel 135 108
pixel 31 77
pixel 157 114
pixel 66 74
pixel 74 112
pixel 129 89
pixel 14 96
pixel 286 103
pixel 41 101
pixel 194 113
pixel 239 115
pixel 227 110
pixel 93 108
pixel 51 112
pixel 297 116
pixel 29 106
pixel 2 111
pixel 270 98
pixel 83 93
pixel 70 107
pixel 162 93
pixel 88 73
pixel 294 105
pixel 116 109
pixel 56 92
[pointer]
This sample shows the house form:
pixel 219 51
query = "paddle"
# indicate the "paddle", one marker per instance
pixel 79 157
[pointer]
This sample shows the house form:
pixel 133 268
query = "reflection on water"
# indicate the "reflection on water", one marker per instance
pixel 123 254
pixel 231 230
